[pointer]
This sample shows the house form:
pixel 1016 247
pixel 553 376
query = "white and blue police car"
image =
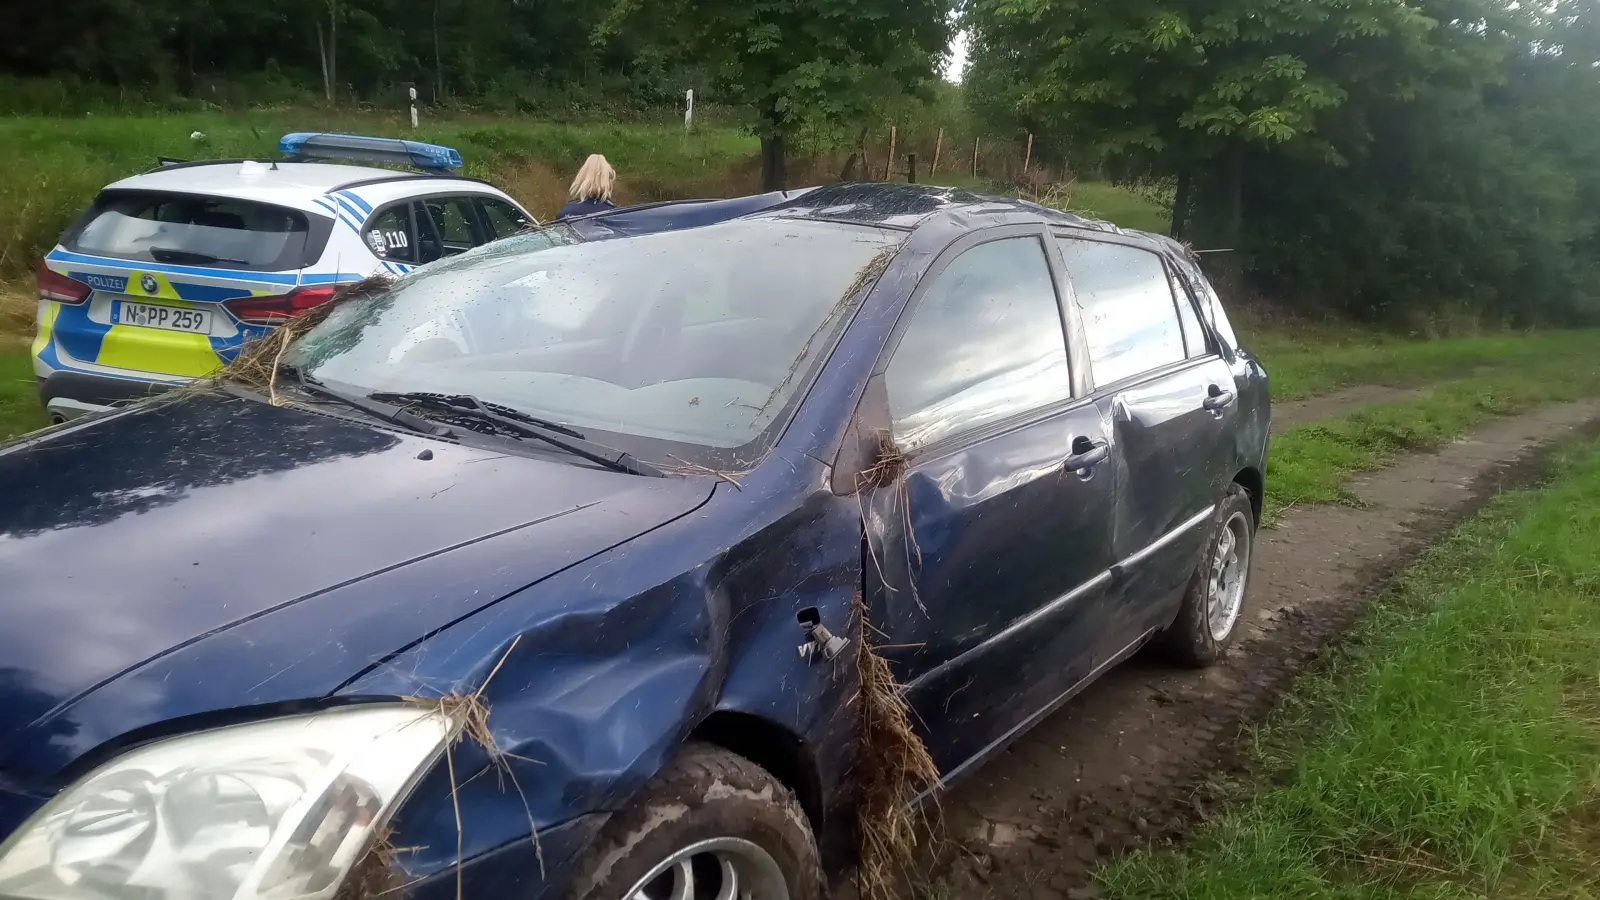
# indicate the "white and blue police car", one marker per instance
pixel 168 273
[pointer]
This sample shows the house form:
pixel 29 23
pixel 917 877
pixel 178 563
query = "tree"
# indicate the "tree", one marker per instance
pixel 1189 87
pixel 798 62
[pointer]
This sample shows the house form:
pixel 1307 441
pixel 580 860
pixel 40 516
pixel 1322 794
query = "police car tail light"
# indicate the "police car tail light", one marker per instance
pixel 279 307
pixel 59 288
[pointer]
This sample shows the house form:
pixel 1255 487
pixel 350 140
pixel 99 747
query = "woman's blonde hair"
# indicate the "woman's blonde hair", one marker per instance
pixel 595 180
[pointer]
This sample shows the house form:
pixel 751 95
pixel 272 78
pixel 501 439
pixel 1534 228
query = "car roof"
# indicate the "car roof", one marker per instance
pixel 908 206
pixel 291 184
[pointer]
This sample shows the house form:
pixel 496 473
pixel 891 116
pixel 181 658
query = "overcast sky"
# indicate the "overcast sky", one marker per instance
pixel 958 57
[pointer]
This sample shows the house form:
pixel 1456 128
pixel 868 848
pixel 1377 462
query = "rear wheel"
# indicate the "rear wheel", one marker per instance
pixel 711 825
pixel 1214 601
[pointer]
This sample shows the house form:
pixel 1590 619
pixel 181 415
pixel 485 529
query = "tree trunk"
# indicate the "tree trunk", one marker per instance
pixel 1234 224
pixel 1180 206
pixel 773 176
pixel 438 59
pixel 333 48
pixel 848 173
pixel 322 54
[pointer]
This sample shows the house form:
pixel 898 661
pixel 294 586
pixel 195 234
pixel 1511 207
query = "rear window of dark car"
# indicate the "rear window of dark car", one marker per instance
pixel 199 230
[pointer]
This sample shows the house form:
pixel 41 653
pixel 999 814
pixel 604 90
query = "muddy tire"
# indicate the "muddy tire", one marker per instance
pixel 709 816
pixel 1214 602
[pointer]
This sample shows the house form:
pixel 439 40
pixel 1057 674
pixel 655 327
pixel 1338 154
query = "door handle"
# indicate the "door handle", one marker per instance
pixel 1218 399
pixel 1087 454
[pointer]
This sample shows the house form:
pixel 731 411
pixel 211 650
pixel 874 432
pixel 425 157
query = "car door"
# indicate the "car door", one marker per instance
pixel 990 548
pixel 1169 400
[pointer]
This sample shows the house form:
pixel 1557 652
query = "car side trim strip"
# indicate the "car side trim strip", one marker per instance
pixel 1156 545
pixel 1017 625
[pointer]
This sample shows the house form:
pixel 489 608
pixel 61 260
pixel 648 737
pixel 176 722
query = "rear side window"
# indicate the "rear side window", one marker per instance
pixel 985 343
pixel 191 229
pixel 1129 318
pixel 391 236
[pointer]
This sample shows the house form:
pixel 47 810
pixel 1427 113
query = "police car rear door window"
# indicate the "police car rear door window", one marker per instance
pixel 196 230
pixel 392 231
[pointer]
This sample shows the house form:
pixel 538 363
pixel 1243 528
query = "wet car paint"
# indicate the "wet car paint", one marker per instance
pixel 619 615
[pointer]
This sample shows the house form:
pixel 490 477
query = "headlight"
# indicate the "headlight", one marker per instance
pixel 276 810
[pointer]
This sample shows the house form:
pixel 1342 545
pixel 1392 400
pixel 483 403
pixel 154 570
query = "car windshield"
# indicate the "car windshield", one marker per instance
pixel 698 337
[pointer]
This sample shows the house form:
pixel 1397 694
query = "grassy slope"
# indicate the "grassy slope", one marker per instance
pixel 19 404
pixel 1450 750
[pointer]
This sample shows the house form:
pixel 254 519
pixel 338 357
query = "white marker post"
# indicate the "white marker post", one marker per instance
pixel 413 92
pixel 688 111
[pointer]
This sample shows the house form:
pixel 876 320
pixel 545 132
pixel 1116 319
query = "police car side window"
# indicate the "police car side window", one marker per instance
pixel 502 218
pixel 458 228
pixel 390 234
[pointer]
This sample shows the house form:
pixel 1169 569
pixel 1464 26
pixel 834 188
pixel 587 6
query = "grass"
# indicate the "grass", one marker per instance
pixel 1312 463
pixel 1303 361
pixel 19 403
pixel 1449 749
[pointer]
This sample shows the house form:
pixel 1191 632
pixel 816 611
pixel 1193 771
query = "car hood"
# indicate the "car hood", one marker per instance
pixel 136 542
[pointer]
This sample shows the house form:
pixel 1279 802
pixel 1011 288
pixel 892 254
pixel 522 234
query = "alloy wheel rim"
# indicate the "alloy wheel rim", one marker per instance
pixel 715 869
pixel 1229 568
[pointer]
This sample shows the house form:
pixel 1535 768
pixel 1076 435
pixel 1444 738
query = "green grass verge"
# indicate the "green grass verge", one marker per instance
pixel 19 401
pixel 1449 749
pixel 1312 463
pixel 1303 362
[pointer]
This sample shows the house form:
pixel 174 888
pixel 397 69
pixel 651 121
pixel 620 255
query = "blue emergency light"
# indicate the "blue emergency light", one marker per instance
pixel 305 145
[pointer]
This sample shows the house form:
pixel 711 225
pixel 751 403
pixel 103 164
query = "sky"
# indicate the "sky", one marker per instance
pixel 958 58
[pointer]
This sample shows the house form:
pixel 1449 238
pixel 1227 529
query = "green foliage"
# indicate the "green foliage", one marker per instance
pixel 1383 159
pixel 798 63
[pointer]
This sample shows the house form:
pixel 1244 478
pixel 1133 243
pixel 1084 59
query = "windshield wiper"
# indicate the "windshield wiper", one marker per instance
pixel 505 419
pixel 173 255
pixel 388 413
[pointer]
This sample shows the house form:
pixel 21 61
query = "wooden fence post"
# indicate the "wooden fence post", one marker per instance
pixel 888 164
pixel 938 144
pixel 911 168
pixel 975 143
pixel 1027 156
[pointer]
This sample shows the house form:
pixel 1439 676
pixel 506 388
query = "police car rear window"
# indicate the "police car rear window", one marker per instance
pixel 197 230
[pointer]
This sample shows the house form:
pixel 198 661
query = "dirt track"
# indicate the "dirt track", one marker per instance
pixel 1125 763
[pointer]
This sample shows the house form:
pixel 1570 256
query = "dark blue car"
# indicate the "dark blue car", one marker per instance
pixel 624 487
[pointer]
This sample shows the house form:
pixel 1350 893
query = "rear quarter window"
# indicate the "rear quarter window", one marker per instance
pixel 199 230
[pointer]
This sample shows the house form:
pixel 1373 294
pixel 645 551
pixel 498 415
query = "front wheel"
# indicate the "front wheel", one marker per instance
pixel 1214 601
pixel 711 825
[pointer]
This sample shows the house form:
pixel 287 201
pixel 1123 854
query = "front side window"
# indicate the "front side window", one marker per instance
pixel 453 216
pixel 984 344
pixel 1129 319
pixel 700 336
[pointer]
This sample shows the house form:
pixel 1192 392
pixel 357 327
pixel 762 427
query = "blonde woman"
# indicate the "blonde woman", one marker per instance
pixel 591 190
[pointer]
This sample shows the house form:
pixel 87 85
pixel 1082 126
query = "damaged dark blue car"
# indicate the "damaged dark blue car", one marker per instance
pixel 545 572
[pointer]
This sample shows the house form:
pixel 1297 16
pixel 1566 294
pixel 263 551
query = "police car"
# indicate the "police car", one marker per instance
pixel 168 273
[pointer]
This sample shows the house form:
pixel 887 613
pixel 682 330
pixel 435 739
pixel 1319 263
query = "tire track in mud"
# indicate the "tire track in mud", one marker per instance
pixel 1126 763
pixel 1338 403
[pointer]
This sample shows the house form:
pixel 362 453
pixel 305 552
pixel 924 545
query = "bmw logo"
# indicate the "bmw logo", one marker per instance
pixel 148 282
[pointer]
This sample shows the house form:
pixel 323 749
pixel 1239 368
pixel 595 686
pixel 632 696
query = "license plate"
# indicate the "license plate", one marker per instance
pixel 149 315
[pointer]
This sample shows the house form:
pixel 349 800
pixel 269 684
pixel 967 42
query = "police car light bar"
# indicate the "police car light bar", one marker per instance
pixel 360 148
